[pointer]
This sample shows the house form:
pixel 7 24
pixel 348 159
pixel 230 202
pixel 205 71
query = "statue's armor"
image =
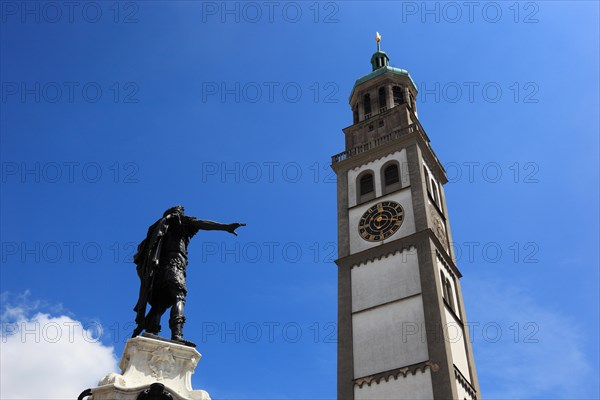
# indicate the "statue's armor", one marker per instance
pixel 169 283
pixel 178 237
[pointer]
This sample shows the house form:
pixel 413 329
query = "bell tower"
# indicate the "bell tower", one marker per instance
pixel 402 331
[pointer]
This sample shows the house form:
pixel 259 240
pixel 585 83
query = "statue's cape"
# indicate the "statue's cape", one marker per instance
pixel 146 260
pixel 149 249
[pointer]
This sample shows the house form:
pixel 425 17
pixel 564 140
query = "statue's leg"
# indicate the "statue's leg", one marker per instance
pixel 153 318
pixel 177 318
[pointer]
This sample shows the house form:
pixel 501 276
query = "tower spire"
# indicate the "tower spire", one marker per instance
pixel 379 58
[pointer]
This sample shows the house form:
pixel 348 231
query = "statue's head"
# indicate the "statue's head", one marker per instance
pixel 177 209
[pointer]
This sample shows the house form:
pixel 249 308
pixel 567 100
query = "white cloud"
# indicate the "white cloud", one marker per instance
pixel 540 353
pixel 49 357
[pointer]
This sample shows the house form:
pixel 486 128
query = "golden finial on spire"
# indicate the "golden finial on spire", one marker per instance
pixel 377 39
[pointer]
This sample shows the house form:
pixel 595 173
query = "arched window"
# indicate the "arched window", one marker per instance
pixel 391 174
pixel 366 187
pixel 398 95
pixel 366 184
pixel 355 114
pixel 367 105
pixel 444 287
pixel 450 298
pixel 382 99
pixel 390 177
pixel 434 192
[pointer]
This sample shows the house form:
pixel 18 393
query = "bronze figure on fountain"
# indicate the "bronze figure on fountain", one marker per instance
pixel 161 262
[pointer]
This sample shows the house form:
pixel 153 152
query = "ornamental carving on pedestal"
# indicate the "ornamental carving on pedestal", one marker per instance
pixel 113 378
pixel 162 362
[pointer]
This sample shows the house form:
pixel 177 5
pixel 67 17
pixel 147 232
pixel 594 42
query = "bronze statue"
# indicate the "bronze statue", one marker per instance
pixel 161 262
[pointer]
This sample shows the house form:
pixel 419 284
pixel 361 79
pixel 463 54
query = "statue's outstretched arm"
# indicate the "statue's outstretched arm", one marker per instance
pixel 215 226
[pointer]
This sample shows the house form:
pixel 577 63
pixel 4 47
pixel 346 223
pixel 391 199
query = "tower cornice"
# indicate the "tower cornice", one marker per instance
pixel 399 245
pixel 387 144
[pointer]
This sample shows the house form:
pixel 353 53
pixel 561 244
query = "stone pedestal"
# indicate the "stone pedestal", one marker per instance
pixel 148 361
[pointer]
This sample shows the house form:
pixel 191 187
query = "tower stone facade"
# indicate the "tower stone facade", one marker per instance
pixel 402 330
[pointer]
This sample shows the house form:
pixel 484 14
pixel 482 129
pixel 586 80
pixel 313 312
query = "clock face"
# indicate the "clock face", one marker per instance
pixel 381 221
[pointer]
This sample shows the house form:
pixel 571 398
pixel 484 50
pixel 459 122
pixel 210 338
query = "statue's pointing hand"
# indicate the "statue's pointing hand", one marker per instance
pixel 232 227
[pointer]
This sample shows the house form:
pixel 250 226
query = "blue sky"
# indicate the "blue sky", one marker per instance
pixel 113 112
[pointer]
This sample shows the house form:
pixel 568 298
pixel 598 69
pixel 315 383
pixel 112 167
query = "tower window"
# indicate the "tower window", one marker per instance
pixel 447 291
pixel 366 187
pixel 444 287
pixel 391 175
pixel 367 105
pixel 355 114
pixel 434 192
pixel 398 96
pixel 382 99
pixel 450 298
pixel 366 184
